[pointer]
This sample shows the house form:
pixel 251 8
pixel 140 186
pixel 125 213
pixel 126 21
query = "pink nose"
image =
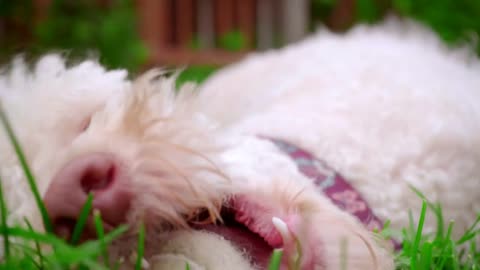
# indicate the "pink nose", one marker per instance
pixel 97 173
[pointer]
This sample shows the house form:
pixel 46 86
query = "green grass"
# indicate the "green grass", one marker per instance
pixel 80 225
pixel 24 248
pixel 438 250
pixel 275 259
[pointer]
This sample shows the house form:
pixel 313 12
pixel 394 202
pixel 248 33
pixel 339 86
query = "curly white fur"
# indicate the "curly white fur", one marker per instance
pixel 387 106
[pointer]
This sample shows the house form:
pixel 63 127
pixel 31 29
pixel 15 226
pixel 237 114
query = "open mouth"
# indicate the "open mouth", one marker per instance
pixel 248 229
pixel 245 232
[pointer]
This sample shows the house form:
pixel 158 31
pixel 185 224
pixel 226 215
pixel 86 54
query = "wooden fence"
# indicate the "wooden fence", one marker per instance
pixel 169 26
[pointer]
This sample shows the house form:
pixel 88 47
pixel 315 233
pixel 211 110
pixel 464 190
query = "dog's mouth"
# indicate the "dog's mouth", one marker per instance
pixel 247 227
pixel 242 234
pixel 239 229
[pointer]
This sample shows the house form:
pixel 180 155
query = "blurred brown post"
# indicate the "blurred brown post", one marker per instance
pixel 295 18
pixel 214 57
pixel 224 15
pixel 245 10
pixel 265 24
pixel 155 23
pixel 342 15
pixel 41 9
pixel 184 19
pixel 3 29
pixel 205 23
pixel 104 3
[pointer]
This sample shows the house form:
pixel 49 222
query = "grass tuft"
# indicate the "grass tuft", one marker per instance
pixel 3 209
pixel 82 220
pixel 140 247
pixel 437 250
pixel 101 235
pixel 38 249
pixel 418 236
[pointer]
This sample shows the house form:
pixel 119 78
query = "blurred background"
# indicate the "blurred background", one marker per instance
pixel 203 34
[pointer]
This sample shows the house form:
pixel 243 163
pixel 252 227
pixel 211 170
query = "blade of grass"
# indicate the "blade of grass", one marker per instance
pixel 26 169
pixel 3 209
pixel 54 240
pixel 27 253
pixel 446 244
pixel 468 234
pixel 101 235
pixel 275 259
pixel 32 235
pixel 72 255
pixel 37 245
pixel 435 208
pixel 418 236
pixel 82 220
pixel 474 255
pixel 426 256
pixel 140 247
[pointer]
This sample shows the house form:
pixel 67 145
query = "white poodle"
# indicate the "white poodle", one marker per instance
pixel 306 148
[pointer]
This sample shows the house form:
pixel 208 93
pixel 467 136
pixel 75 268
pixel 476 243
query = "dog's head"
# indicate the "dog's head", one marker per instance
pixel 48 106
pixel 139 147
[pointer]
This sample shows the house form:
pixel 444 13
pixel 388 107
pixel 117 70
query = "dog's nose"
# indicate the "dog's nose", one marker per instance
pixel 99 174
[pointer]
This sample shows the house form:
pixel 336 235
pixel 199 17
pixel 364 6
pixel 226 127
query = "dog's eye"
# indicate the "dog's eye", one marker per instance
pixel 85 124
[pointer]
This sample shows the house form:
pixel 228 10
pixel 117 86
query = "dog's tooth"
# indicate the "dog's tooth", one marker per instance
pixel 282 228
pixel 133 259
pixel 145 264
pixel 288 237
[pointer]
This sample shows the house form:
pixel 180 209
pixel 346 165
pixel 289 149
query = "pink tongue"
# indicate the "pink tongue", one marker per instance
pixel 246 241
